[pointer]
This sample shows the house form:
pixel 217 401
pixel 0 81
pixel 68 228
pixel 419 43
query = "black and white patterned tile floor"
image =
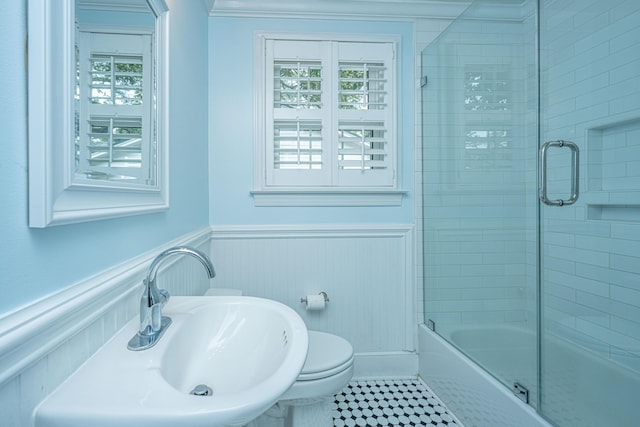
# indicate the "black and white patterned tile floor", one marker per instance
pixel 398 403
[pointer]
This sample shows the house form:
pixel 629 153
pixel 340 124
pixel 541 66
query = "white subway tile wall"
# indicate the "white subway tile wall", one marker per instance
pixel 591 79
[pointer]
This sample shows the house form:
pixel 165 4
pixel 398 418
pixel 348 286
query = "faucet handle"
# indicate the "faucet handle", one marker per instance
pixel 164 296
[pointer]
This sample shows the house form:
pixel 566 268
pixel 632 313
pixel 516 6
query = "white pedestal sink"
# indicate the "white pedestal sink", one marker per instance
pixel 246 351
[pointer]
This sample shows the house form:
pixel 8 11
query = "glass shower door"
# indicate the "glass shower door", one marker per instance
pixel 480 190
pixel 590 250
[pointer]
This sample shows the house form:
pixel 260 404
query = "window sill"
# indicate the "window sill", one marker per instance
pixel 327 197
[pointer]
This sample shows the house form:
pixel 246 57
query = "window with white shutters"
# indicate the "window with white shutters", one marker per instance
pixel 297 138
pixel 113 138
pixel 365 117
pixel 329 115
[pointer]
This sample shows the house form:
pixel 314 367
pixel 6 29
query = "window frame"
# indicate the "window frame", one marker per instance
pixel 267 194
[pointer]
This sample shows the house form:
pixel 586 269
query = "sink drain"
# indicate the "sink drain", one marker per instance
pixel 202 390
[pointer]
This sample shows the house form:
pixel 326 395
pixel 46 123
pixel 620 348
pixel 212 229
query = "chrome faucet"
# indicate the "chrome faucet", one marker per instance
pixel 152 323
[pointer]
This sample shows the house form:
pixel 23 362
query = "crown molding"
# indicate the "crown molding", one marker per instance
pixel 341 9
pixel 139 6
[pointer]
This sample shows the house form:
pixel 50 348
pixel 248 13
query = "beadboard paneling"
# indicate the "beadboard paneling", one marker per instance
pixel 367 272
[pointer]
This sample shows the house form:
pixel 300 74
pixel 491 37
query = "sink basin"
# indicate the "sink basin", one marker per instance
pixel 245 351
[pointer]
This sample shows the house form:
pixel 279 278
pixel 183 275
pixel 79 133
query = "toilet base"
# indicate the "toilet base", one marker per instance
pixel 316 413
pixel 298 413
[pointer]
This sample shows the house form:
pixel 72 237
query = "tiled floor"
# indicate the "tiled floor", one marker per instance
pixel 399 403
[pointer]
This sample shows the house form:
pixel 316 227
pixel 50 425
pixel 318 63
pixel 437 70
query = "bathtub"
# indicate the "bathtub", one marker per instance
pixel 474 396
pixel 507 352
pixel 578 388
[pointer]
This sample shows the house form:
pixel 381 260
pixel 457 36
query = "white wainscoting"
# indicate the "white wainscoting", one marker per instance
pixel 42 344
pixel 366 270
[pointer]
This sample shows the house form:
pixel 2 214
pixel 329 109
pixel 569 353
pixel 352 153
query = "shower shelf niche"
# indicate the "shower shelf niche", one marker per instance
pixel 614 156
pixel 613 166
pixel 628 213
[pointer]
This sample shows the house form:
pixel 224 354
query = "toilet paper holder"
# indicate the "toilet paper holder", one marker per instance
pixel 303 300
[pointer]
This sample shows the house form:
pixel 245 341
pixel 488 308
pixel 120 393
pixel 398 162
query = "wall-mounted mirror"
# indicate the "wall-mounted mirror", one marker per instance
pixel 97 109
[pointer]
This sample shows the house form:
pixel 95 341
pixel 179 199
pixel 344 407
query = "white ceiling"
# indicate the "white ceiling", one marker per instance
pixel 343 9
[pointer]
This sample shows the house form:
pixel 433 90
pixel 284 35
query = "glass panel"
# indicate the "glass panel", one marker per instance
pixel 488 87
pixel 480 189
pixel 297 85
pixel 590 84
pixel 361 86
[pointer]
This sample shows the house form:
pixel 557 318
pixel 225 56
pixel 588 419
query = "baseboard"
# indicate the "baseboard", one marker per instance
pixel 385 365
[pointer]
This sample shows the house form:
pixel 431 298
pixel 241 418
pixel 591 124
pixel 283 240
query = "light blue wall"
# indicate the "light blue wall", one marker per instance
pixel 38 262
pixel 231 124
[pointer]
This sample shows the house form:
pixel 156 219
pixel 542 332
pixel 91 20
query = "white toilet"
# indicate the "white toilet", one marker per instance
pixel 327 370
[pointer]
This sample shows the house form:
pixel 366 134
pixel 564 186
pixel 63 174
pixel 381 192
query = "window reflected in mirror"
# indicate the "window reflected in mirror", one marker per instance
pixel 114 109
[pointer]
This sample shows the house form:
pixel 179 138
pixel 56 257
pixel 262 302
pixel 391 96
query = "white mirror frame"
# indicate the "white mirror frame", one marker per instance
pixel 53 197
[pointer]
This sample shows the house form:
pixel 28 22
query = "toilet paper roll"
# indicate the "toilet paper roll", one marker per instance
pixel 315 302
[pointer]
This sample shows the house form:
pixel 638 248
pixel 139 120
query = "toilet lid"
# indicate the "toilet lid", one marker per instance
pixel 327 355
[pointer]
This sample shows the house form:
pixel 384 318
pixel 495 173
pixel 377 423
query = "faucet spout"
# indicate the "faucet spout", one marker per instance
pixel 200 256
pixel 152 323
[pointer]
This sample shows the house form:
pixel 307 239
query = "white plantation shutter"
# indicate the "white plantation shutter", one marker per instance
pixel 329 114
pixel 297 144
pixel 361 145
pixel 113 143
pixel 298 113
pixel 365 127
pixel 113 139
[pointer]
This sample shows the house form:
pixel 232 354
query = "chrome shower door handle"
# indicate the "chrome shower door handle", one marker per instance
pixel 575 172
